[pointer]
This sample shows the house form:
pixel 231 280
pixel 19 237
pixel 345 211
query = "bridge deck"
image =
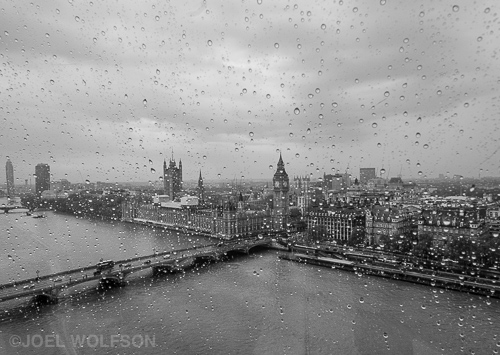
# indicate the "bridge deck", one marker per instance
pixel 56 282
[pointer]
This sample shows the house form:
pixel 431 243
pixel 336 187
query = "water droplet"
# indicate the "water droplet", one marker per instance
pixel 486 10
pixel 145 102
pixel 153 171
pixel 320 116
pixel 270 167
pixel 466 104
pixel 374 125
pixel 77 19
pixel 426 146
pixel 323 26
pixel 296 111
pixel 354 9
pixel 276 45
pixel 297 155
pixel 382 2
pixel 334 104
pixel 268 96
pixel 387 93
pixel 209 42
pixel 455 8
pixel 382 171
pixel 250 134
pixel 317 90
pixel 417 134
pixel 361 300
pixel 47 35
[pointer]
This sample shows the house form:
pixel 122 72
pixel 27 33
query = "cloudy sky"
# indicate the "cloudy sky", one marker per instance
pixel 105 90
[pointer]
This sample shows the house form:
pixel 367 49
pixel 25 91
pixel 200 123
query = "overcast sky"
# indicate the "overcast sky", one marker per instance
pixel 104 90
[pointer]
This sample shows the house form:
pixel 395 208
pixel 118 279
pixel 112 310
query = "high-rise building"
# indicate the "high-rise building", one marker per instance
pixel 280 201
pixel 366 174
pixel 172 179
pixel 42 178
pixel 9 170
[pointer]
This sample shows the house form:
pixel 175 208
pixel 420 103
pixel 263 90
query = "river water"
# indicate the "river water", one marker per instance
pixel 251 304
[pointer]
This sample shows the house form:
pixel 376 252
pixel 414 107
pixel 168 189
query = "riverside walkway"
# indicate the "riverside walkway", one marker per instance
pixel 485 287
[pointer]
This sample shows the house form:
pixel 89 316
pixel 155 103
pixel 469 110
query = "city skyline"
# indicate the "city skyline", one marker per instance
pixel 104 93
pixel 30 180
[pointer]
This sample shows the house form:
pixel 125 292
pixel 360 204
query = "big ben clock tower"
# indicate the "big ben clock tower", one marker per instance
pixel 280 201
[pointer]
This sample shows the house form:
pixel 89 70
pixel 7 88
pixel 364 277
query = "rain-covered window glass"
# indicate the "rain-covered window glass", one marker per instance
pixel 249 177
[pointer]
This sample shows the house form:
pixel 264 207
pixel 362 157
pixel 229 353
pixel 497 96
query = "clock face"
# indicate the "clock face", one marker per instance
pixel 285 183
pixel 277 184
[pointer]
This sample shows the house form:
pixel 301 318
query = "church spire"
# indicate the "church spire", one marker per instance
pixel 280 162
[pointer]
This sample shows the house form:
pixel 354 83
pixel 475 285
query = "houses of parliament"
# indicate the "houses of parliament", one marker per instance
pixel 226 221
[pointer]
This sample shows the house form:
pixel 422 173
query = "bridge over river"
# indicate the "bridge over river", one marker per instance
pixel 47 287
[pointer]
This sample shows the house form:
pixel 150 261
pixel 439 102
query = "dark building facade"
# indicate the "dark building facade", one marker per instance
pixel 446 223
pixel 172 179
pixel 388 221
pixel 42 178
pixel 366 174
pixel 339 223
pixel 9 171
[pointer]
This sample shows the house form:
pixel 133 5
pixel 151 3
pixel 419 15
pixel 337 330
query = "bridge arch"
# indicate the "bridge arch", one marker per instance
pixel 44 299
pixel 111 282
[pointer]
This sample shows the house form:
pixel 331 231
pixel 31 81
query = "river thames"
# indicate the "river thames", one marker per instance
pixel 251 304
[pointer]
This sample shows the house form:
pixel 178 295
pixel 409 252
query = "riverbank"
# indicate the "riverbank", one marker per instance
pixel 424 277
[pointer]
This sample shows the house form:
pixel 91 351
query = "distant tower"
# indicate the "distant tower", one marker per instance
pixel 201 189
pixel 172 178
pixel 240 202
pixel 280 201
pixel 9 170
pixel 42 178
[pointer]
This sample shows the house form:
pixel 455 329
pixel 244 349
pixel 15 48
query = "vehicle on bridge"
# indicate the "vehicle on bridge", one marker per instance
pixel 103 265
